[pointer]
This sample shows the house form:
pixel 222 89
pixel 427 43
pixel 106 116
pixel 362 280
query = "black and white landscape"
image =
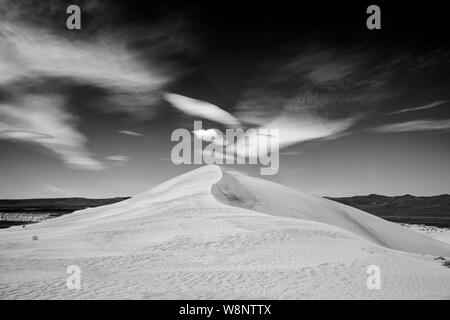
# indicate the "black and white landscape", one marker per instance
pixel 162 150
pixel 215 234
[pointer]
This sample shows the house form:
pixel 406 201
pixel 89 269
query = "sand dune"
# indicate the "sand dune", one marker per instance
pixel 217 234
pixel 268 197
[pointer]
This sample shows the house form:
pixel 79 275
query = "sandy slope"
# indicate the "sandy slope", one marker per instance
pixel 268 197
pixel 209 234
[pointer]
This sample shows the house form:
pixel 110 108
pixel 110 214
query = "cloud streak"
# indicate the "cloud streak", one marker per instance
pixel 414 126
pixel 44 121
pixel 103 61
pixel 203 109
pixel 130 133
pixel 424 107
pixel 120 158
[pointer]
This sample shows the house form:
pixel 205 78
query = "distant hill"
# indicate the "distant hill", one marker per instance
pixel 55 204
pixel 23 211
pixel 432 210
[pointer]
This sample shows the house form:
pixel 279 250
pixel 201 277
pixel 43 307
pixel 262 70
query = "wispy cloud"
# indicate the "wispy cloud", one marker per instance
pixel 294 130
pixel 299 122
pixel 414 126
pixel 130 133
pixel 211 135
pixel 424 107
pixel 291 153
pixel 312 95
pixel 102 61
pixel 120 158
pixel 329 82
pixel 43 120
pixel 203 109
pixel 129 67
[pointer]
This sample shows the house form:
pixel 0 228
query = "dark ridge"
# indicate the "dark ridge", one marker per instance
pixel 22 211
pixel 428 210
pixel 64 204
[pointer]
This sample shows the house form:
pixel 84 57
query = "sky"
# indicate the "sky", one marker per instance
pixel 90 112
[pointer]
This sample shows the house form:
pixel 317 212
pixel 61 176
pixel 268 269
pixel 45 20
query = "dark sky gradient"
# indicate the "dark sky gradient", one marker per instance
pixel 232 55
